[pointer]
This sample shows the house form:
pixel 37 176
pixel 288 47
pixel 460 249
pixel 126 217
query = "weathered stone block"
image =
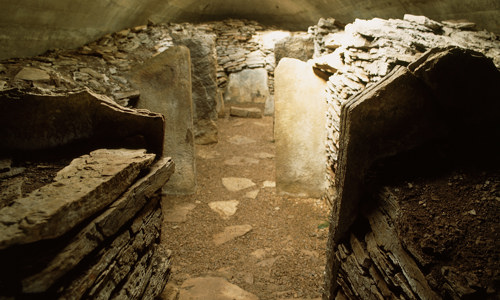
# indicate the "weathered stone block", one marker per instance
pixel 296 46
pixel 249 85
pixel 300 118
pixel 204 77
pixel 165 85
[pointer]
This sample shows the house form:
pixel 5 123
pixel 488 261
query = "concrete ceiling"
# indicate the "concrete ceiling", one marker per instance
pixel 31 27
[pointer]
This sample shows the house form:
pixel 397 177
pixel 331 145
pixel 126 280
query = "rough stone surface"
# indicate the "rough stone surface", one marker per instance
pixel 224 208
pixel 298 46
pixel 212 288
pixel 204 79
pixel 206 132
pixel 33 74
pixel 367 50
pixel 83 188
pixel 247 86
pixel 113 249
pixel 102 227
pixel 164 82
pixel 299 129
pixel 230 233
pixel 235 184
pixel 66 119
pixel 434 104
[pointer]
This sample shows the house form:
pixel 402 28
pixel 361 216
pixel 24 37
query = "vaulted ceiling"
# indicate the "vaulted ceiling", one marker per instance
pixel 30 27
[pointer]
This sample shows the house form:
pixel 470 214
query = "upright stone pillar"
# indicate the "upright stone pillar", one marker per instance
pixel 165 85
pixel 300 133
pixel 204 80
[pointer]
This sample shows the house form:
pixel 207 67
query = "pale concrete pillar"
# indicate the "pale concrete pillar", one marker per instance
pixel 164 82
pixel 299 130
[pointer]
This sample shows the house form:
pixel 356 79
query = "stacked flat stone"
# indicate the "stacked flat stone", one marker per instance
pixel 92 233
pixel 367 50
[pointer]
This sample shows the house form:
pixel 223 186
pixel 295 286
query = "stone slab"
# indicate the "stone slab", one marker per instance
pixel 246 112
pixel 214 288
pixel 104 226
pixel 230 233
pixel 164 82
pixel 224 208
pixel 33 74
pixel 204 80
pixel 300 121
pixel 235 184
pixel 87 185
pixel 247 86
pixel 92 120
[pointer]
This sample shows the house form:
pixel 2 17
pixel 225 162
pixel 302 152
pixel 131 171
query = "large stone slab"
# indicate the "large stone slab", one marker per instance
pixel 87 185
pixel 247 86
pixel 215 288
pixel 164 82
pixel 35 122
pixel 300 134
pixel 204 80
pixel 104 226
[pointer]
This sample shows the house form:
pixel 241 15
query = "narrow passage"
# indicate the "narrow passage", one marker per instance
pixel 236 234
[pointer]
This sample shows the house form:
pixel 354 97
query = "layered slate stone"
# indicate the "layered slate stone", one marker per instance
pixel 164 82
pixel 430 100
pixel 102 227
pixel 112 250
pixel 299 129
pixel 82 119
pixel 86 186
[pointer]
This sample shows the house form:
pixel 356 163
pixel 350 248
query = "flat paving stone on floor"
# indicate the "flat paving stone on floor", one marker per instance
pixel 230 233
pixel 212 288
pixel 178 214
pixel 235 184
pixel 224 208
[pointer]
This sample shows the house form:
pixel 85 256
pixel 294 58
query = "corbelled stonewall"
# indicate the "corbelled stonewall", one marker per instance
pixel 365 51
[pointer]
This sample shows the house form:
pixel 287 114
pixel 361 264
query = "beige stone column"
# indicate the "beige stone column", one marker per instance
pixel 299 130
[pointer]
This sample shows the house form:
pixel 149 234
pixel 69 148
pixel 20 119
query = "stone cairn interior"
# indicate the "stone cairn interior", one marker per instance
pixel 394 123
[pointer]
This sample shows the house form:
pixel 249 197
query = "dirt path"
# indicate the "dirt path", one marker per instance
pixel 272 247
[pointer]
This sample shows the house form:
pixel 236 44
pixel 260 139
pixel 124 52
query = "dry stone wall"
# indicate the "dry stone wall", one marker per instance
pixel 367 50
pixel 93 232
pixel 428 101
